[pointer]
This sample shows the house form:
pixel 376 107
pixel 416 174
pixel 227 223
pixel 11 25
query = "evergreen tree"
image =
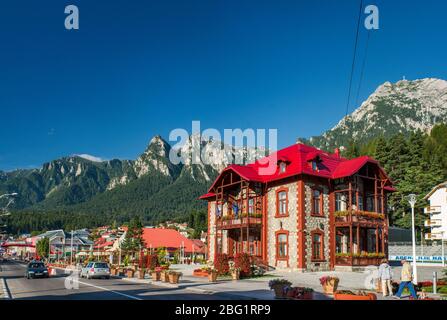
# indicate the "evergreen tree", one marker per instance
pixel 43 247
pixel 134 236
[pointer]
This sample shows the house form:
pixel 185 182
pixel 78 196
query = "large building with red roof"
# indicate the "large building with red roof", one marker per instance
pixel 302 209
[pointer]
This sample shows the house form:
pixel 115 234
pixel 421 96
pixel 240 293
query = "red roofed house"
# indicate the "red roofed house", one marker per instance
pixel 172 240
pixel 313 211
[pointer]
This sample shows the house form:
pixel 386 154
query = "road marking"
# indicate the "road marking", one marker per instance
pixel 5 290
pixel 106 289
pixel 95 286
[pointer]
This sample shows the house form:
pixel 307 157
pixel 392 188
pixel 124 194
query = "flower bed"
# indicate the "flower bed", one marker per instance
pixel 200 273
pixel 349 295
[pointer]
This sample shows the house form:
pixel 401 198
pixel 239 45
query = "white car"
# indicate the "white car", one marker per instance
pixel 96 270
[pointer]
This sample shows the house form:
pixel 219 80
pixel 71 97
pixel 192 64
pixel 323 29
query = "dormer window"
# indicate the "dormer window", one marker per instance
pixel 283 162
pixel 313 159
pixel 282 167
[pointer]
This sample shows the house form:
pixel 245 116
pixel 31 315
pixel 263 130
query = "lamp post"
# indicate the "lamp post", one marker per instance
pixel 442 248
pixel 412 200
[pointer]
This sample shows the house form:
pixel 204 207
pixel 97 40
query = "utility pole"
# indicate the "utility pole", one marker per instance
pixel 71 250
pixel 412 200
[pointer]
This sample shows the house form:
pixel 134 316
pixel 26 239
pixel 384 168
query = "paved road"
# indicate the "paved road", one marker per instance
pixel 19 287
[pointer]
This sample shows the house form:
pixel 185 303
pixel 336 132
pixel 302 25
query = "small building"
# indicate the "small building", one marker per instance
pixel 301 209
pixel 173 241
pixel 437 211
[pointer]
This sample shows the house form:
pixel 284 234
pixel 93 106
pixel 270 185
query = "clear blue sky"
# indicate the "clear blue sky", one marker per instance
pixel 140 68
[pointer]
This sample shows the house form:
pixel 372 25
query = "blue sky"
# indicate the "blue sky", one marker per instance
pixel 140 68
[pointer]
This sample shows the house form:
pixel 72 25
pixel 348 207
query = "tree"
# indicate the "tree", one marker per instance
pixel 43 247
pixel 134 236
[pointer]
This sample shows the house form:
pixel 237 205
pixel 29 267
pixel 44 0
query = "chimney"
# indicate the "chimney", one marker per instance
pixel 337 152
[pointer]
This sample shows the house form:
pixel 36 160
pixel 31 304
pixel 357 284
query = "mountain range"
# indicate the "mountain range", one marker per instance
pixel 153 187
pixel 404 106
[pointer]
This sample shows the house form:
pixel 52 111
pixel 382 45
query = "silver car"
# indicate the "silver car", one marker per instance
pixel 96 270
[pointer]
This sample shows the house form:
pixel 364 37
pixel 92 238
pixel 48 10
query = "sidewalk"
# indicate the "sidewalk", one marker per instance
pixel 257 288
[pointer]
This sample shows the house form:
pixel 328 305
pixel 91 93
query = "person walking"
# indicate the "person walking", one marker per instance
pixel 406 280
pixel 385 276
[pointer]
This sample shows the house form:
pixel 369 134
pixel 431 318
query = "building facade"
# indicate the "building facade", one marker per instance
pixel 437 211
pixel 301 209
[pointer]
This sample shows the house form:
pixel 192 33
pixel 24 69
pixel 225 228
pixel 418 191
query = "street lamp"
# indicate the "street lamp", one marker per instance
pixel 412 200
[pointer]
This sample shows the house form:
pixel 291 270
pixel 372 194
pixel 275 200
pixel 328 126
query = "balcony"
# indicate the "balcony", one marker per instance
pixel 432 210
pixel 358 216
pixel 433 236
pixel 433 223
pixel 232 222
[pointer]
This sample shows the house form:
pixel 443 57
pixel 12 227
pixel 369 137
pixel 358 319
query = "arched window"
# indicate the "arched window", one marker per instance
pixel 282 167
pixel 282 245
pixel 317 203
pixel 317 245
pixel 282 203
pixel 251 206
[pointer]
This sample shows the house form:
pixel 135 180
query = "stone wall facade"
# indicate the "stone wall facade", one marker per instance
pixel 211 229
pixel 284 223
pixel 314 223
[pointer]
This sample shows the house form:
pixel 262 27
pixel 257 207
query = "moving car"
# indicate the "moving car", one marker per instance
pixel 96 270
pixel 36 269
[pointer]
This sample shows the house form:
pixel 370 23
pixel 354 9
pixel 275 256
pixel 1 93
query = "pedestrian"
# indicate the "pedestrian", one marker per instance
pixel 406 280
pixel 385 277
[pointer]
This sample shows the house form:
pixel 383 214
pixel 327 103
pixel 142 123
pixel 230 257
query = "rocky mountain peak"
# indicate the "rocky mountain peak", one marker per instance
pixel 403 106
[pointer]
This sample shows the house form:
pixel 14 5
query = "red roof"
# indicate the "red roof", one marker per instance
pixel 170 239
pixel 104 244
pixel 330 166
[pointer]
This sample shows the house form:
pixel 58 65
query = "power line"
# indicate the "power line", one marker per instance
pixel 365 57
pixel 354 57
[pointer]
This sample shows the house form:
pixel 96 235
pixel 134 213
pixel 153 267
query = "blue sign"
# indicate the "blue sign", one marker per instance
pixel 418 258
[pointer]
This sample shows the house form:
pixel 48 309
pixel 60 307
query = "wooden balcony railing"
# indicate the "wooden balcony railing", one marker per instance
pixel 230 222
pixel 358 260
pixel 358 216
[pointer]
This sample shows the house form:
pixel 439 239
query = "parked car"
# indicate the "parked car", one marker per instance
pixel 36 269
pixel 96 270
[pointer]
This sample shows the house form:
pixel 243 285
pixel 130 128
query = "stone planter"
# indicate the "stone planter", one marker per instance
pixel 331 286
pixel 155 276
pixel 212 276
pixel 164 276
pixel 236 274
pixel 279 291
pixel 141 274
pixel 174 277
pixel 130 273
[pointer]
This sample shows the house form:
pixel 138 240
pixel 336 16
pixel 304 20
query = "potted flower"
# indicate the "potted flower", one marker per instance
pixel 299 293
pixel 174 276
pixel 130 273
pixel 279 287
pixel 164 276
pixel 235 272
pixel 329 284
pixel 155 274
pixel 141 273
pixel 212 274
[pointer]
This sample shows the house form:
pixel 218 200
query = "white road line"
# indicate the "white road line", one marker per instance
pixel 105 289
pixel 97 287
pixel 5 290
